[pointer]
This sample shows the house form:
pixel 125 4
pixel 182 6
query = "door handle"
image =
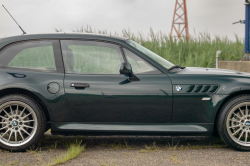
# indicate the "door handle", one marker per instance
pixel 80 85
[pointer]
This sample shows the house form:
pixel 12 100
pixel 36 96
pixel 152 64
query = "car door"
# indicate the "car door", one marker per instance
pixel 97 93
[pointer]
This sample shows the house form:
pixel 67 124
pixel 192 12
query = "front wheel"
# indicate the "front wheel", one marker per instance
pixel 234 123
pixel 22 123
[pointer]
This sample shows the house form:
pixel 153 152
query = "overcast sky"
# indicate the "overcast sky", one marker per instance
pixel 36 16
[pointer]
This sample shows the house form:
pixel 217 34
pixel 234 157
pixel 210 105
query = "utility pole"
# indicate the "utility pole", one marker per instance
pixel 247 30
pixel 247 33
pixel 180 20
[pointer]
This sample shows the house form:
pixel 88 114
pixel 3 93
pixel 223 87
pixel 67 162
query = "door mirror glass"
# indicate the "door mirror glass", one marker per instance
pixel 126 69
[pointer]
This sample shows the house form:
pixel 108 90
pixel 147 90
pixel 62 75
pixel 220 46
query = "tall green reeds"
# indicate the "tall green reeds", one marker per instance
pixel 199 51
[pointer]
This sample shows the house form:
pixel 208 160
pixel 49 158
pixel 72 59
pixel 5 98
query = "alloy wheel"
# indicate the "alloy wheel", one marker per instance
pixel 18 123
pixel 238 124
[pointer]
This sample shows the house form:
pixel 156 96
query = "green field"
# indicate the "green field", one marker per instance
pixel 198 52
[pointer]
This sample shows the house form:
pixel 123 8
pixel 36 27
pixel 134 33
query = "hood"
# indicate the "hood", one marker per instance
pixel 227 81
pixel 211 71
pixel 197 75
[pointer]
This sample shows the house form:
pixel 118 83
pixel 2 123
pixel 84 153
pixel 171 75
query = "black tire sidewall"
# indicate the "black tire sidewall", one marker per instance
pixel 41 122
pixel 222 128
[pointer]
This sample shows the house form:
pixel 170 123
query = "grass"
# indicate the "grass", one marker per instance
pixel 199 51
pixel 218 143
pixel 174 159
pixel 53 147
pixel 117 145
pixel 189 146
pixel 33 150
pixel 13 163
pixel 149 148
pixel 107 165
pixel 172 146
pixel 73 151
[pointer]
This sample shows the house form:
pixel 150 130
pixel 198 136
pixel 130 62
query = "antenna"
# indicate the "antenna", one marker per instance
pixel 15 21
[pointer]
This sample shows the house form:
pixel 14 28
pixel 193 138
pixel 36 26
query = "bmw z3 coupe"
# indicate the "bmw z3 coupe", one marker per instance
pixel 87 84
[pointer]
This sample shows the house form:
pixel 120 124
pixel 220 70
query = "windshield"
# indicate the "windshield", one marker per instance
pixel 151 54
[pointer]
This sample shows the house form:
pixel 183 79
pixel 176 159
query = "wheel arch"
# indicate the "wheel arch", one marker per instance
pixel 232 95
pixel 28 92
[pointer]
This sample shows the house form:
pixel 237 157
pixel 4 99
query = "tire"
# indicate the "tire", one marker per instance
pixel 233 123
pixel 22 123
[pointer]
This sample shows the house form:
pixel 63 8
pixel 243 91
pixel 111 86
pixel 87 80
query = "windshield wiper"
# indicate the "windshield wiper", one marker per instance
pixel 175 67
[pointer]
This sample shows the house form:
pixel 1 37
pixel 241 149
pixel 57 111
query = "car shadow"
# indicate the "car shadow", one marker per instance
pixel 134 142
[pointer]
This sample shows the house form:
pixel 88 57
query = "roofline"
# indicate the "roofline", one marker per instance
pixel 73 33
pixel 56 36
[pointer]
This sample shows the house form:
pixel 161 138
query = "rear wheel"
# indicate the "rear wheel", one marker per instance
pixel 22 122
pixel 234 123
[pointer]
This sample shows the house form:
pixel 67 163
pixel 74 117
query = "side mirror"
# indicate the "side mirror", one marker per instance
pixel 126 69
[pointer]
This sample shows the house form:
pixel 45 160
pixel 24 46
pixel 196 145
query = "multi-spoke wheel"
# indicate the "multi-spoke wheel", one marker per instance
pixel 238 123
pixel 234 123
pixel 21 122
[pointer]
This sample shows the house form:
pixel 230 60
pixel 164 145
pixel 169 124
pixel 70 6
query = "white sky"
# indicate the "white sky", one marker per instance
pixel 36 16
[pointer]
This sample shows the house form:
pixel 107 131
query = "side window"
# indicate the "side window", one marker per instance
pixel 140 66
pixel 30 55
pixel 89 57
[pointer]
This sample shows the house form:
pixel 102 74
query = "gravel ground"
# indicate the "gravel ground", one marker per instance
pixel 131 150
pixel 161 157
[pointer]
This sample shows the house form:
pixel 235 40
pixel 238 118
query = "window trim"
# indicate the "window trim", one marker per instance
pixel 56 51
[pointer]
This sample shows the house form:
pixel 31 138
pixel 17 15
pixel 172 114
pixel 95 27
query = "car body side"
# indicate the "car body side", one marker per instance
pixel 189 109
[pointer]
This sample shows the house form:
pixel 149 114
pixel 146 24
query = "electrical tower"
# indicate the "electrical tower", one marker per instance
pixel 180 20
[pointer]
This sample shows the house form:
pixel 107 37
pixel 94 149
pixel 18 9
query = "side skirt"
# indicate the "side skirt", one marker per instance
pixel 131 129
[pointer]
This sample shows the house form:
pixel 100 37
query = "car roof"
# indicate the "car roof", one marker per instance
pixel 60 35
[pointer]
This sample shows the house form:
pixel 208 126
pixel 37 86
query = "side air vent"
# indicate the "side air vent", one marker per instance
pixel 213 89
pixel 202 88
pixel 198 88
pixel 205 88
pixel 191 88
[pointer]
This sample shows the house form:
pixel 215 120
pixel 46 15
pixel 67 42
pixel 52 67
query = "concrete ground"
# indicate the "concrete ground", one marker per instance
pixel 131 150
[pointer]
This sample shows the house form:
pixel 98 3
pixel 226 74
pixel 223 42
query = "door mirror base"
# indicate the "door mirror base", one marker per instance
pixel 126 69
pixel 133 78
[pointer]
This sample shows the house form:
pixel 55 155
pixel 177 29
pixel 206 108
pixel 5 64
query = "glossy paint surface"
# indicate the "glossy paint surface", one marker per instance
pixel 112 98
pixel 113 105
pixel 188 107
pixel 36 83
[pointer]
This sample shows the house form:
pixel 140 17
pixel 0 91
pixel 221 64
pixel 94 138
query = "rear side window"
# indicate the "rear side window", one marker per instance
pixel 37 55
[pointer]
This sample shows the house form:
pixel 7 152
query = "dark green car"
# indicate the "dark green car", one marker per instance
pixel 103 85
